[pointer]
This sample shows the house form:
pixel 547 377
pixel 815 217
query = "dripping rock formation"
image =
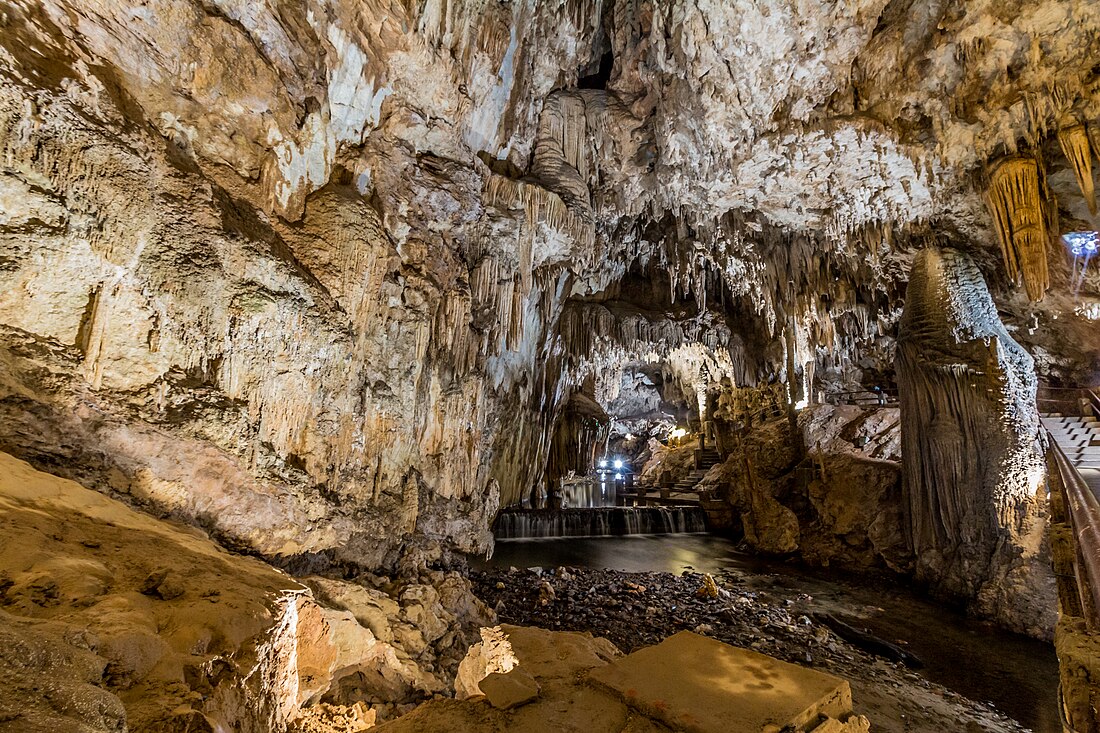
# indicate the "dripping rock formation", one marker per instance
pixel 974 496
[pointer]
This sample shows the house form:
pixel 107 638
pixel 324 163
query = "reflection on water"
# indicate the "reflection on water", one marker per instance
pixel 1017 675
pixel 704 553
pixel 587 493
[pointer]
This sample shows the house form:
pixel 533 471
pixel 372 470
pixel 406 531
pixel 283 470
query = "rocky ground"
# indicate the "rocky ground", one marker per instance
pixel 639 609
pixel 113 620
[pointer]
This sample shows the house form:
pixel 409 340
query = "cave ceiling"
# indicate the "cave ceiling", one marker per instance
pixel 352 253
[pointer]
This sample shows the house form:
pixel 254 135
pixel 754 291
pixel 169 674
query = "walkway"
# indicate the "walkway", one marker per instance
pixel 1079 438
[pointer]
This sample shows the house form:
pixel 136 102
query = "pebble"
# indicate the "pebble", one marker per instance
pixel 633 610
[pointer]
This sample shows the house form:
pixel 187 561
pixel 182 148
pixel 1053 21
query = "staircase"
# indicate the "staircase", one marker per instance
pixel 682 492
pixel 687 484
pixel 1079 439
pixel 706 458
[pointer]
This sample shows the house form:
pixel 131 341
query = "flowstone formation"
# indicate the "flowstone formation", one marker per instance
pixel 975 500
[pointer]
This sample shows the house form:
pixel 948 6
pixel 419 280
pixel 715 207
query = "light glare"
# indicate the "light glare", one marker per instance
pixel 1082 244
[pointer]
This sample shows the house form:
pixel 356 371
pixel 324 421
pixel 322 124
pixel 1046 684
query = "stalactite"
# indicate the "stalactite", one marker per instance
pixel 1075 145
pixel 540 206
pixel 451 337
pixel 514 321
pixel 1093 131
pixel 1016 203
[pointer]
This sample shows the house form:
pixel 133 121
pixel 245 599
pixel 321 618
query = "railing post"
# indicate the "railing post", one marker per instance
pixel 1082 509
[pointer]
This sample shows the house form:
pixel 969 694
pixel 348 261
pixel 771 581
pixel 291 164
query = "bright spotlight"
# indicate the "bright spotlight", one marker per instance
pixel 618 477
pixel 603 463
pixel 618 464
pixel 1082 244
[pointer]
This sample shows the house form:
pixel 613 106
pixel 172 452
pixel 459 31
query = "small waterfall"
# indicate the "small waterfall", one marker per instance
pixel 602 522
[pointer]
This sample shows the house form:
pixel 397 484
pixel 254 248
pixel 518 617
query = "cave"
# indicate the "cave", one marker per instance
pixel 561 365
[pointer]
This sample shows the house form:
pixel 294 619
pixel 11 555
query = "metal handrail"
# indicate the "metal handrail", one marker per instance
pixel 1083 508
pixel 861 396
pixel 1094 400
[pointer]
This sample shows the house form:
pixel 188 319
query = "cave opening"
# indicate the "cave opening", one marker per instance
pixel 602 76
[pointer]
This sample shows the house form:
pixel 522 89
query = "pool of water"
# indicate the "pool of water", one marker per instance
pixel 1018 675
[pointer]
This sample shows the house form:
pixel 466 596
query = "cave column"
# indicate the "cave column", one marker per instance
pixel 971 448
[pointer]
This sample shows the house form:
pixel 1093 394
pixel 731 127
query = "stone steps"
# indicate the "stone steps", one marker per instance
pixel 1078 437
pixel 684 489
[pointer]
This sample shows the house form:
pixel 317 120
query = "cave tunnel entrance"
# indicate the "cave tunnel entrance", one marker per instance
pixel 608 430
pixel 600 78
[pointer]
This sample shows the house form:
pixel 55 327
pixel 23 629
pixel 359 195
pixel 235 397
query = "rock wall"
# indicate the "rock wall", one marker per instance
pixel 975 500
pixel 319 277
pixel 855 490
pixel 825 488
pixel 222 305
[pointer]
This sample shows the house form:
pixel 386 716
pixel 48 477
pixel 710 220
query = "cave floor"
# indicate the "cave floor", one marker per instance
pixel 640 590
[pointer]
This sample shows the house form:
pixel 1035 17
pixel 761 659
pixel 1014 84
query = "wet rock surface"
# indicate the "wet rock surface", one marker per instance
pixel 634 610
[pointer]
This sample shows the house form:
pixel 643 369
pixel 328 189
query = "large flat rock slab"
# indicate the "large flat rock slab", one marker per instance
pixel 701 685
pixel 565 682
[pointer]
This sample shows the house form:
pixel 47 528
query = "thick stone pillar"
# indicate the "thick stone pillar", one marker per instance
pixel 974 496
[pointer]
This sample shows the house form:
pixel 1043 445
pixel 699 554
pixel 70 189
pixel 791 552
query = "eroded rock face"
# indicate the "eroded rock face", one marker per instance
pixel 826 487
pixel 976 510
pixel 857 517
pixel 114 620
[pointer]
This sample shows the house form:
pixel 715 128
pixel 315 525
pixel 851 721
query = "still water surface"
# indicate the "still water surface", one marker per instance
pixel 1019 676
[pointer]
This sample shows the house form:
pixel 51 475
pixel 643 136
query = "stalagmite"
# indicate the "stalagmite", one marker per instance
pixel 971 441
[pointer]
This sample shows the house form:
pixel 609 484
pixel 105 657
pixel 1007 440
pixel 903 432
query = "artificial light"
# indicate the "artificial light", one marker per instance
pixel 1082 244
pixel 618 464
